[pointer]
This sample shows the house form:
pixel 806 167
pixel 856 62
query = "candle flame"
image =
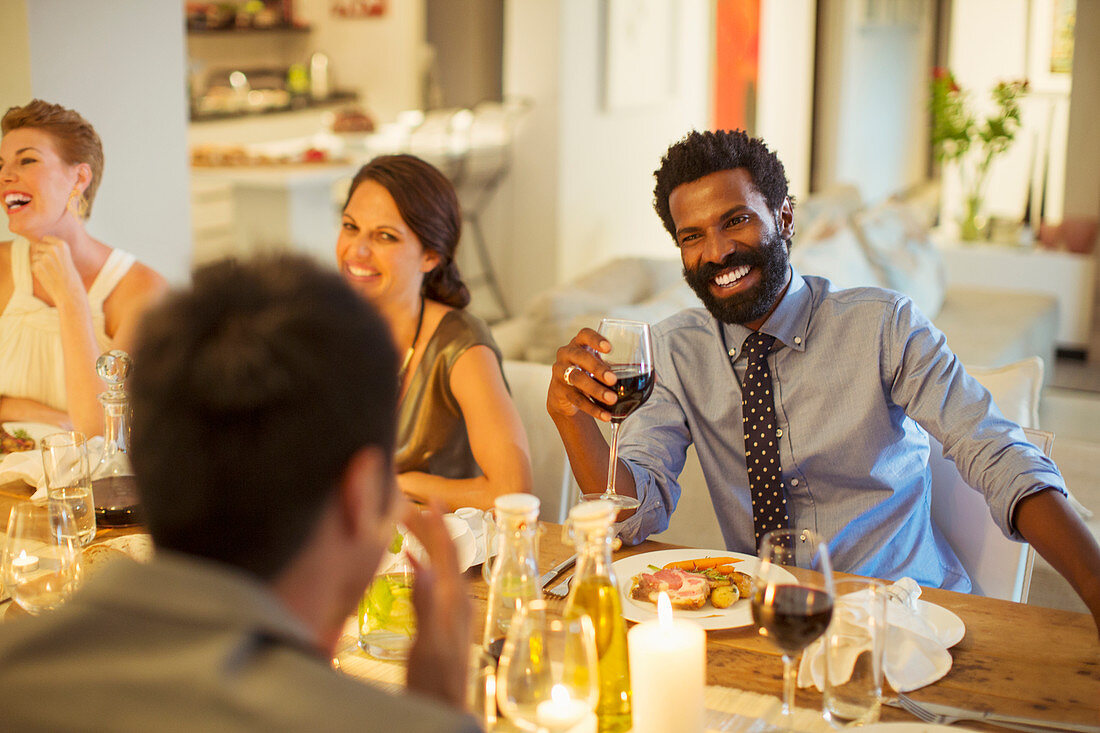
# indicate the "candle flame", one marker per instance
pixel 559 694
pixel 22 555
pixel 664 609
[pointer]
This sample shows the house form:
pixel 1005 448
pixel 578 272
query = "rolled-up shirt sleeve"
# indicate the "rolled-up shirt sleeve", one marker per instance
pixel 991 452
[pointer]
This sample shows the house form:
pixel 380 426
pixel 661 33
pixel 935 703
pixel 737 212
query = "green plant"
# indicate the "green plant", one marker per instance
pixel 959 137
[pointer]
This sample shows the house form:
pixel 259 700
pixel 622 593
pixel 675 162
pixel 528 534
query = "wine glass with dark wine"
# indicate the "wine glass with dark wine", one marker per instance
pixel 792 600
pixel 631 360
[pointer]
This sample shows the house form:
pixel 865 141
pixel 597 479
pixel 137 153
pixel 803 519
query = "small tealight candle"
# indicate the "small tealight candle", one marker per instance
pixel 668 673
pixel 24 563
pixel 561 711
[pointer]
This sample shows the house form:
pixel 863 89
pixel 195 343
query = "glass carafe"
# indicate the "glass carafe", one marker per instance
pixel 514 577
pixel 113 486
pixel 594 591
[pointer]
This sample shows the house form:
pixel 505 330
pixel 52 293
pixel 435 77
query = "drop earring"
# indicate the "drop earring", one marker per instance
pixel 78 204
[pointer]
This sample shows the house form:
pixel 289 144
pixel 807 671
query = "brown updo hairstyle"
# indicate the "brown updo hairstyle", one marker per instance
pixel 73 136
pixel 427 202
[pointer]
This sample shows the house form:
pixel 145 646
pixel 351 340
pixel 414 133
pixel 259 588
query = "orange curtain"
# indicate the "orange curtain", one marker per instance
pixel 736 57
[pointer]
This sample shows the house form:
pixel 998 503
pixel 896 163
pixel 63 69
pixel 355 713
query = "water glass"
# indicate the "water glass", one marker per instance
pixel 387 620
pixel 68 479
pixel 40 561
pixel 548 678
pixel 853 651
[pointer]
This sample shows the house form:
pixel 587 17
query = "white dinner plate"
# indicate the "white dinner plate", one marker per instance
pixel 737 615
pixel 949 628
pixel 36 430
pixel 909 728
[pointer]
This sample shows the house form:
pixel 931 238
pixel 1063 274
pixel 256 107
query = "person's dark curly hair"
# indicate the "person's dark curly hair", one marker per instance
pixel 699 154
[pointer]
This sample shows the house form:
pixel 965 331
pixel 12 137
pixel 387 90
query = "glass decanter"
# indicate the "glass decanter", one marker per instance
pixel 113 486
pixel 594 591
pixel 513 579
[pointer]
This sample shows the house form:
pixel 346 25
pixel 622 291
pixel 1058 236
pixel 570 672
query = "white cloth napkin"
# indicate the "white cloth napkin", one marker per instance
pixel 914 655
pixel 27 465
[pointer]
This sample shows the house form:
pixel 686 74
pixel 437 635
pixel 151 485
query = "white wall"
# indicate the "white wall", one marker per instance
pixel 15 60
pixel 785 92
pixel 1082 190
pixel 586 172
pixel 129 85
pixel 871 99
pixel 382 58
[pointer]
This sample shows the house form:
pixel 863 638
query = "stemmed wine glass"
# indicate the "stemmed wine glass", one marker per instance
pixel 792 608
pixel 548 678
pixel 41 557
pixel 631 360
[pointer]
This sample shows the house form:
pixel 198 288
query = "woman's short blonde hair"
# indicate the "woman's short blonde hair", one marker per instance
pixel 75 138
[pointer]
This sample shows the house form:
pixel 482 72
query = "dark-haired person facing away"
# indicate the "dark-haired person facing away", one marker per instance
pixel 459 436
pixel 263 429
pixel 857 378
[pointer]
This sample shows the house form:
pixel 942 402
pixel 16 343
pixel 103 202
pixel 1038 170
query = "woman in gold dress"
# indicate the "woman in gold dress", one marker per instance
pixel 459 437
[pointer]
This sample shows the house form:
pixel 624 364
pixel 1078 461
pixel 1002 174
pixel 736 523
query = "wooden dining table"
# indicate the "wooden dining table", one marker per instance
pixel 1014 658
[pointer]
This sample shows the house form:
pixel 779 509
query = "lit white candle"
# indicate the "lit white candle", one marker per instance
pixel 668 673
pixel 24 563
pixel 561 711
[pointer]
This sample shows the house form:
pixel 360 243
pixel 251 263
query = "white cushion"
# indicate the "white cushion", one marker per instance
pixel 1015 389
pixel 898 244
pixel 831 249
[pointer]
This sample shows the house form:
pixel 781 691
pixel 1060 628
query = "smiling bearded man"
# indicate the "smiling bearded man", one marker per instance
pixel 808 406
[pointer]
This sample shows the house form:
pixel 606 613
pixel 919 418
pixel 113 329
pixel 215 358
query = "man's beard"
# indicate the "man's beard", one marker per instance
pixel 770 260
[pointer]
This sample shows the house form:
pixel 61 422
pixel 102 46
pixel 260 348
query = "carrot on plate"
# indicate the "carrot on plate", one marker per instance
pixel 702 563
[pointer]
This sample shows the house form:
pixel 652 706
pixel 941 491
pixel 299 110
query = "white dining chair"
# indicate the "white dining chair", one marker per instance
pixel 998 567
pixel 552 477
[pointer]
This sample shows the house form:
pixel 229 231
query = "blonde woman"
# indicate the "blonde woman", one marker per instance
pixel 65 297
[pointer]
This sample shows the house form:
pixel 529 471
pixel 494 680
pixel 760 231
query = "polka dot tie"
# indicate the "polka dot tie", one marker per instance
pixel 769 502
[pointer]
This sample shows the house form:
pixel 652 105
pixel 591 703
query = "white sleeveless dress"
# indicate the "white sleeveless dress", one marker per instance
pixel 32 362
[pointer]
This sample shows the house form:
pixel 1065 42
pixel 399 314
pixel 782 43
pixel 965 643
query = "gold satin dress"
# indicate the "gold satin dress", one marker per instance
pixel 431 432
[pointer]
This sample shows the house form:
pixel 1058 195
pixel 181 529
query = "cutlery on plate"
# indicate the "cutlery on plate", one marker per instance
pixel 939 714
pixel 557 570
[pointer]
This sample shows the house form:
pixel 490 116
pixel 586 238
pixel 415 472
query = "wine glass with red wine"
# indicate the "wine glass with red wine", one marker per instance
pixel 792 600
pixel 631 360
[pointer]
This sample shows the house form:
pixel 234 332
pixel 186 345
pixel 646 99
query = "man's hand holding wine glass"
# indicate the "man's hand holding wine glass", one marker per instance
pixel 608 388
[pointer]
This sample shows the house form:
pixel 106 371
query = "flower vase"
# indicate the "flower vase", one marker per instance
pixel 973 224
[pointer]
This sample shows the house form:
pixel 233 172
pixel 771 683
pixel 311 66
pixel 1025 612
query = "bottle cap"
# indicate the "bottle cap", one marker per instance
pixel 592 514
pixel 525 505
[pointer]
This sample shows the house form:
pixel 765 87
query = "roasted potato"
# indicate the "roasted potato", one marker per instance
pixel 724 596
pixel 743 583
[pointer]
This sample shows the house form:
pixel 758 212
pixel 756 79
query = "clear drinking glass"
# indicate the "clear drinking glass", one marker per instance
pixel 792 611
pixel 547 678
pixel 631 360
pixel 853 653
pixel 41 557
pixel 68 478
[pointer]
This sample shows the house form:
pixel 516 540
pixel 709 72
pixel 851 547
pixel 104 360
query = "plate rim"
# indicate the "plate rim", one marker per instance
pixel 715 621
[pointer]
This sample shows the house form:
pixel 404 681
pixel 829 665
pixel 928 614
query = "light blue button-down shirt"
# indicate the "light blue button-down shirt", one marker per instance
pixel 859 376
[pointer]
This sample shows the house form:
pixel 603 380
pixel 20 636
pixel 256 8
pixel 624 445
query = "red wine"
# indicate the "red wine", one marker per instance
pixel 116 501
pixel 633 387
pixel 794 617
